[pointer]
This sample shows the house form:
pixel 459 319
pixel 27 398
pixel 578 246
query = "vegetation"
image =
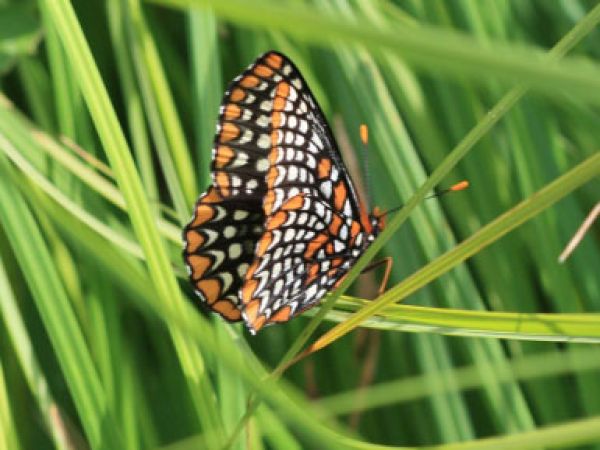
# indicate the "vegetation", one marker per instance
pixel 107 115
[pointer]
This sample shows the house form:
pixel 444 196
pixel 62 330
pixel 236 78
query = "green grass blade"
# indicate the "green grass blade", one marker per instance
pixel 139 210
pixel 57 315
pixel 555 327
pixel 169 138
pixel 524 368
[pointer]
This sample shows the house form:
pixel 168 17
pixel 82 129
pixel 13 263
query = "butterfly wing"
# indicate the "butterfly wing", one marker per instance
pixel 229 218
pixel 313 229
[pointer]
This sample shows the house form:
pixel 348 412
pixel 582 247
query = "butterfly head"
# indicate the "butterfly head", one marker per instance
pixel 372 223
pixel 377 219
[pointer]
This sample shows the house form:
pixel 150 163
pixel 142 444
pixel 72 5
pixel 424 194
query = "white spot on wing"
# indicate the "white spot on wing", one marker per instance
pixel 235 250
pixel 264 141
pixel 262 165
pixel 229 232
pixel 240 214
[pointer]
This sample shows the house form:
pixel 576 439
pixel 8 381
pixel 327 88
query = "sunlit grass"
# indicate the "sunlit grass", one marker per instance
pixel 101 342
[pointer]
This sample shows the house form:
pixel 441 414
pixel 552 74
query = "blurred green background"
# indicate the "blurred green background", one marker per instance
pixel 107 116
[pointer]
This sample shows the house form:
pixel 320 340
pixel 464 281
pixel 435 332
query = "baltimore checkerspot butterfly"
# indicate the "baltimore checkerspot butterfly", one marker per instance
pixel 281 224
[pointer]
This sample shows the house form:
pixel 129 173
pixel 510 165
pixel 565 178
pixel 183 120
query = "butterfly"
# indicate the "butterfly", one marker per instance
pixel 281 224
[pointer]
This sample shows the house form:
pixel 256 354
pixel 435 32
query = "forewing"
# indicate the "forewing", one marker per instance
pixel 243 139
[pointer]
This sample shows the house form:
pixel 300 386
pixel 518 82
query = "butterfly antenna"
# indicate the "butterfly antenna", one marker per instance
pixel 460 186
pixel 364 138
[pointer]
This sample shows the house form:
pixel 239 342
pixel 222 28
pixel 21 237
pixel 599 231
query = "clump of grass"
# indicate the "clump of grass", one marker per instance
pixel 499 345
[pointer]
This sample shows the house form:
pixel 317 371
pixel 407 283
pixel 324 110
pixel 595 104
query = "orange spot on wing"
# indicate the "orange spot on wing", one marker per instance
pixel 314 245
pixel 222 182
pixel 194 240
pixel 237 95
pixel 339 195
pixel 274 137
pixel 263 71
pixel 249 81
pixel 224 156
pixel 329 249
pixel 211 288
pixel 251 270
pixel 247 290
pixel 274 60
pixel 276 118
pixel 232 111
pixel 199 265
pixel 258 323
pixel 324 168
pixel 335 225
pixel 227 309
pixel 283 89
pixel 313 271
pixel 337 262
pixel 365 220
pixel 212 196
pixel 277 220
pixel 283 315
pixel 273 155
pixel 338 282
pixel 229 132
pixel 263 243
pixel 268 202
pixel 295 202
pixel 251 310
pixel 203 214
pixel 272 176
pixel 354 230
pixel 278 104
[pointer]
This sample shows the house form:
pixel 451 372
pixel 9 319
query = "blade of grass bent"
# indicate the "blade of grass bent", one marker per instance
pixel 142 220
pixel 567 435
pixel 490 233
pixel 550 327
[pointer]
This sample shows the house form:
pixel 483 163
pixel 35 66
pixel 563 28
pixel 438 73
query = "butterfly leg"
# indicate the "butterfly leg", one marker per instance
pixel 388 261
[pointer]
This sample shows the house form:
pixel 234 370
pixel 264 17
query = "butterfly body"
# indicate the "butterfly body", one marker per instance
pixel 281 224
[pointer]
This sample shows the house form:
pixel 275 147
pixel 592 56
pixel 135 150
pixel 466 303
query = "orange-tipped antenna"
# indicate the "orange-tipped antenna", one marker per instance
pixel 364 134
pixel 460 186
pixel 364 138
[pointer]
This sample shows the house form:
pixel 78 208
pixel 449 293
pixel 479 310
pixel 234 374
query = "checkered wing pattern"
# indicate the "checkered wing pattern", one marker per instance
pixel 315 226
pixel 229 218
pixel 281 224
